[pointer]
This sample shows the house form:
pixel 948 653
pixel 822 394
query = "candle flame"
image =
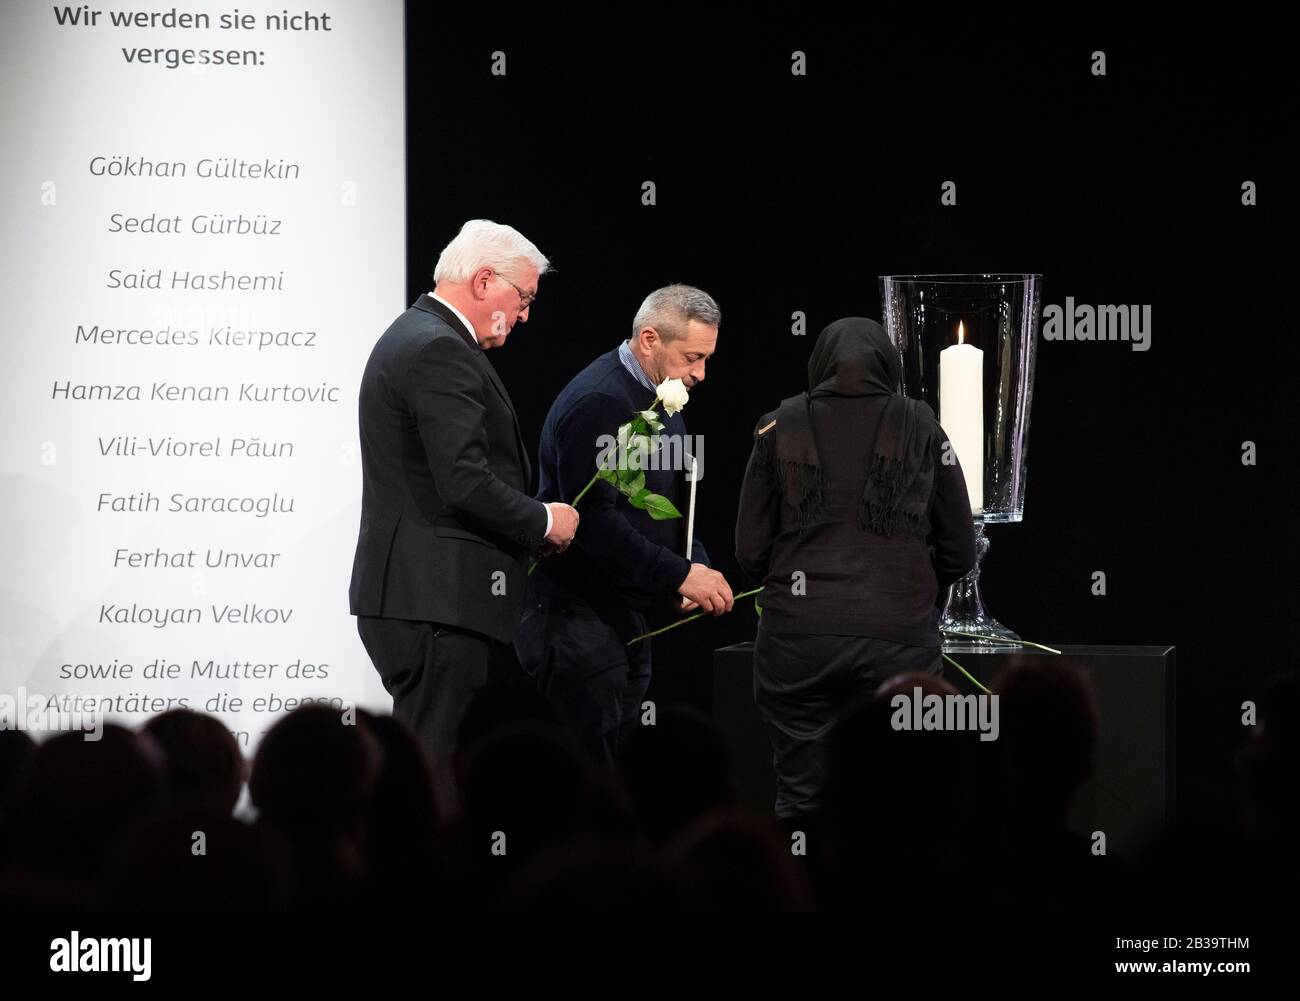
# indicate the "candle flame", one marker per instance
pixel 961 332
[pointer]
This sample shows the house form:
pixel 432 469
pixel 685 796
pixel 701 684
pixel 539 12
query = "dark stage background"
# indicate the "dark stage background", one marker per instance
pixel 779 193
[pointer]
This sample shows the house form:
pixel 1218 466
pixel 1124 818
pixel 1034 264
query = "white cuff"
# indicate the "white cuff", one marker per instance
pixel 548 520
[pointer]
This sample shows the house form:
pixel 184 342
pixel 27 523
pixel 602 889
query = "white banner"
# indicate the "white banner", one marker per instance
pixel 204 234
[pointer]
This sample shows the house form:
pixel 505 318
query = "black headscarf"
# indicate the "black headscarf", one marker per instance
pixel 854 357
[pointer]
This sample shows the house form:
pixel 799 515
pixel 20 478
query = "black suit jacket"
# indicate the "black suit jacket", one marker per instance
pixel 447 525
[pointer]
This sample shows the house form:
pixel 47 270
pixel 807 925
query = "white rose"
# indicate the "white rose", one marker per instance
pixel 673 395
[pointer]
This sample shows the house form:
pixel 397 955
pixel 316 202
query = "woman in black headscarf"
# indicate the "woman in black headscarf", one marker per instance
pixel 855 519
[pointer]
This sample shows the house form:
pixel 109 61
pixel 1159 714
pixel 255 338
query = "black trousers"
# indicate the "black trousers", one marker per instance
pixel 802 683
pixel 430 670
pixel 578 658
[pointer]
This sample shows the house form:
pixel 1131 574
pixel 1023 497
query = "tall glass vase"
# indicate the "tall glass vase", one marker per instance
pixel 968 344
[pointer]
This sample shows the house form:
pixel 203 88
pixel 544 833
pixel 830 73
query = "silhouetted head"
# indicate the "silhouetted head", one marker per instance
pixel 490 708
pixel 728 860
pixel 1271 762
pixel 1049 725
pixel 205 767
pixel 588 876
pixel 522 786
pixel 315 772
pixel 404 815
pixel 82 795
pixel 894 786
pixel 676 770
pixel 17 750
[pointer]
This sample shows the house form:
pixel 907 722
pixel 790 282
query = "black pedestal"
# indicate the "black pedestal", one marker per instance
pixel 1131 792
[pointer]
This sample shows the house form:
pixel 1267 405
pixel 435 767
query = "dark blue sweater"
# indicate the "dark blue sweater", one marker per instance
pixel 620 556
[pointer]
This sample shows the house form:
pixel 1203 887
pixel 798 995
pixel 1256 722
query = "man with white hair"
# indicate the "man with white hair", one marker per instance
pixel 448 527
pixel 584 606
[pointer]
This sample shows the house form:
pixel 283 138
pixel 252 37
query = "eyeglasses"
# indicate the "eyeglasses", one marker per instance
pixel 525 300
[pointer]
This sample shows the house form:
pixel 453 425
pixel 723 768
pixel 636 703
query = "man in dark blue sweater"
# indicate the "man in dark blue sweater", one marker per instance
pixel 584 605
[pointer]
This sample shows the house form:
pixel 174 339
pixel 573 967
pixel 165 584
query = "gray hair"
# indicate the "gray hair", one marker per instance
pixel 670 308
pixel 484 243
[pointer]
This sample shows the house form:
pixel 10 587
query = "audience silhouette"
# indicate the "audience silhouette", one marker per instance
pixel 348 813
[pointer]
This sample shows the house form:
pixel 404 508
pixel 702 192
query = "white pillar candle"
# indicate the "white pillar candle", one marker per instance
pixel 690 515
pixel 961 410
pixel 690 510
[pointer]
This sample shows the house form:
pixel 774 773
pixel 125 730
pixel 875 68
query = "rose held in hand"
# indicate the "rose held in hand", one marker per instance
pixel 673 394
pixel 634 447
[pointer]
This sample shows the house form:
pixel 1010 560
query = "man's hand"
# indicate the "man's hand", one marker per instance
pixel 706 588
pixel 564 524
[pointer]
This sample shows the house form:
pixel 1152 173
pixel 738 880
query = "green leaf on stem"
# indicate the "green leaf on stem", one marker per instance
pixel 635 485
pixel 651 420
pixel 659 507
